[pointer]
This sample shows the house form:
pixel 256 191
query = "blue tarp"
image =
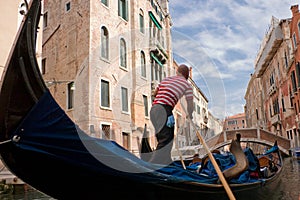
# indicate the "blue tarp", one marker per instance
pixel 47 130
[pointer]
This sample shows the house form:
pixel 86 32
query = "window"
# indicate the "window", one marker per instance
pixel 105 2
pixel 45 19
pixel 125 137
pixel 282 103
pixel 104 43
pixel 156 71
pixel 298 73
pixel 256 114
pixel 142 28
pixel 294 40
pixel 105 99
pixel 293 81
pixel 105 131
pixel 44 66
pixel 272 79
pixel 71 88
pixel 286 60
pixel 124 94
pixel 145 99
pixel 232 122
pixel 143 64
pixel 123 9
pixel 68 6
pixel 123 53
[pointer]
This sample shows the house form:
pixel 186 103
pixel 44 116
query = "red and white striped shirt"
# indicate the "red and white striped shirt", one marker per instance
pixel 171 89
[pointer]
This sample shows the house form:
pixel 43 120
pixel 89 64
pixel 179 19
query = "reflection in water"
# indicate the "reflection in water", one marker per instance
pixel 25 193
pixel 289 184
pixel 287 187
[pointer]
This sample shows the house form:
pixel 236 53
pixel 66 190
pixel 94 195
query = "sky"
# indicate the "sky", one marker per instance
pixel 220 41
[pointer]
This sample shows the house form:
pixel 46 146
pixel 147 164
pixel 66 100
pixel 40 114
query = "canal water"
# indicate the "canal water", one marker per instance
pixel 288 187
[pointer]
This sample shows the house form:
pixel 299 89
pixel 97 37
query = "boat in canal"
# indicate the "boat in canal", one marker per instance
pixel 43 147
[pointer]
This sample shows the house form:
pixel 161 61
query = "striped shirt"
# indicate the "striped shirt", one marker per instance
pixel 171 89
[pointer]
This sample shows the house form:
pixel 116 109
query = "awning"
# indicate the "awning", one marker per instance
pixel 156 59
pixel 155 21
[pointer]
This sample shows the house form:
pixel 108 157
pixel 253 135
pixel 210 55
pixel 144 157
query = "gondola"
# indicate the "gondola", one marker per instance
pixel 42 146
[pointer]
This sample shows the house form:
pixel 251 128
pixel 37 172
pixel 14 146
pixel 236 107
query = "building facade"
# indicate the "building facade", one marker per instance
pixel 100 59
pixel 272 101
pixel 235 122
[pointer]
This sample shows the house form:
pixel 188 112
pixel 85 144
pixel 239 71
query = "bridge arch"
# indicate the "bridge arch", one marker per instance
pixel 250 135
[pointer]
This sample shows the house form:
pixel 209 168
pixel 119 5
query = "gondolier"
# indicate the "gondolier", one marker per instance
pixel 167 94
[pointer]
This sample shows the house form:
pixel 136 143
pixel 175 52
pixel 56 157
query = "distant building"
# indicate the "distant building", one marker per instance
pixel 235 122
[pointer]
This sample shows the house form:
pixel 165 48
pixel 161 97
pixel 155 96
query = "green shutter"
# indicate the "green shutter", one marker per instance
pixel 156 59
pixel 119 8
pixel 126 10
pixel 155 20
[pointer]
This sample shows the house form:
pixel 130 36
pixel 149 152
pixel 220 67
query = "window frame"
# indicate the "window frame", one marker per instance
pixel 45 20
pixel 123 9
pixel 102 134
pixel 142 21
pixel 123 55
pixel 70 95
pixel 105 2
pixel 109 95
pixel 124 100
pixel 294 40
pixel 143 65
pixel 68 6
pixel 146 106
pixel 104 43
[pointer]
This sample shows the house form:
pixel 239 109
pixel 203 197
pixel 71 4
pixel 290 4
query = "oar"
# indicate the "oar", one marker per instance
pixel 215 164
pixel 212 158
pixel 179 152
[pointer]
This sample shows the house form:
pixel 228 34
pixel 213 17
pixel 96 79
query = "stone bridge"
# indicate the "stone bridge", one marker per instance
pixel 252 135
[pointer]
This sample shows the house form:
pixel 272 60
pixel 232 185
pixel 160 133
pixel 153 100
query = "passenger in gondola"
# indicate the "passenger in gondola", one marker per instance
pixel 167 94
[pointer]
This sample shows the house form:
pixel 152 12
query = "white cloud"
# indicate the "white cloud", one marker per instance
pixel 220 39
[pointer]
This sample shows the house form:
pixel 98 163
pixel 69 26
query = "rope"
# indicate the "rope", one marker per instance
pixel 16 138
pixel 4 142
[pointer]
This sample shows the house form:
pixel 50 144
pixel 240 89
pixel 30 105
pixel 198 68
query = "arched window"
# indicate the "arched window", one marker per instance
pixel 143 64
pixel 104 43
pixel 123 53
pixel 141 16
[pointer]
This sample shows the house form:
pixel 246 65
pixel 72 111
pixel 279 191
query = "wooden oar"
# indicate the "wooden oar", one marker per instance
pixel 215 164
pixel 212 158
pixel 179 152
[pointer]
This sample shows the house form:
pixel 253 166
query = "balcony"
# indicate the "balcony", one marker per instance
pixel 275 119
pixel 158 50
pixel 272 43
pixel 272 89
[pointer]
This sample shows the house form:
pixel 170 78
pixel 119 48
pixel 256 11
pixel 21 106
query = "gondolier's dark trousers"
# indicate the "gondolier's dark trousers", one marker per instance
pixel 165 136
